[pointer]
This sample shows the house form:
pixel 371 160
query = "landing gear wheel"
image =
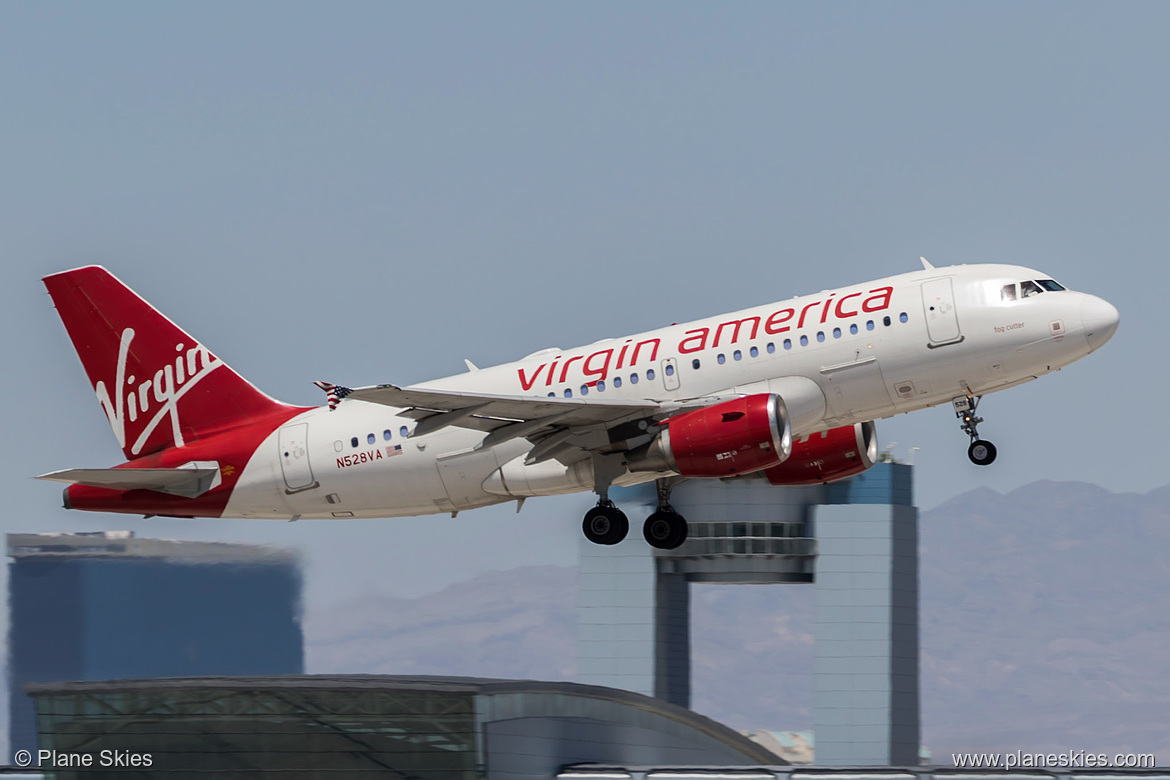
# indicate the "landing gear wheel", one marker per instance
pixel 981 453
pixel 605 524
pixel 665 529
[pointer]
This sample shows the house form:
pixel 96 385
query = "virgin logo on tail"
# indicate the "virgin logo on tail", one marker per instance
pixel 137 398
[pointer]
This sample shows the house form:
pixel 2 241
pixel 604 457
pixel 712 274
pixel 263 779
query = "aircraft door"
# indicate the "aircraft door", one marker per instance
pixel 852 389
pixel 670 374
pixel 942 321
pixel 293 442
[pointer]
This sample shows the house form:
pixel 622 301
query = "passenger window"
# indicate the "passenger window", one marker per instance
pixel 754 352
pixel 820 335
pixel 1028 289
pixel 617 381
pixel 669 369
pixel 568 392
pixel 737 355
pixel 836 333
pixel 787 343
pixel 720 359
pixel 695 364
pixel 353 442
pixel 371 439
pixel 634 378
pixel 552 395
pixel 649 373
pixel 804 341
pixel 869 325
pixel 771 348
pixel 853 329
pixel 403 431
pixel 1008 293
pixel 902 317
pixel 601 385
pixel 584 389
pixel 386 434
pixel 886 320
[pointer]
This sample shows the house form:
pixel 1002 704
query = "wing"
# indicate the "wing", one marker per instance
pixel 563 428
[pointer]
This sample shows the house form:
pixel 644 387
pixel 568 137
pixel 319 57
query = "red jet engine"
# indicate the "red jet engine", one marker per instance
pixel 734 437
pixel 827 456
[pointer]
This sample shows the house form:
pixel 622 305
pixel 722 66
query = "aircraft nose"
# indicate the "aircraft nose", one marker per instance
pixel 1099 318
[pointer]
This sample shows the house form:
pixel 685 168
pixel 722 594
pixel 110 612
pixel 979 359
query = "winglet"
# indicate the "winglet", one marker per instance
pixel 470 366
pixel 926 266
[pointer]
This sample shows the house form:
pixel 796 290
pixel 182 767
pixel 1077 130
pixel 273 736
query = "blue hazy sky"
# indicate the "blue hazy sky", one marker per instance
pixel 370 192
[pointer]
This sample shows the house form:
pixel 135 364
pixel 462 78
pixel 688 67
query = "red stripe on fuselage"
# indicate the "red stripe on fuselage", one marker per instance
pixel 231 450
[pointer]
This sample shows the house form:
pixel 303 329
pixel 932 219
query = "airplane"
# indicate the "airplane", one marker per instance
pixel 787 392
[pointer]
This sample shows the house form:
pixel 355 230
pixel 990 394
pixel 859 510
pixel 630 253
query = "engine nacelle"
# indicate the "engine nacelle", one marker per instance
pixel 739 436
pixel 828 456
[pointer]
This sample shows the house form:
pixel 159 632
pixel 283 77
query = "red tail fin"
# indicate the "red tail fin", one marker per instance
pixel 158 387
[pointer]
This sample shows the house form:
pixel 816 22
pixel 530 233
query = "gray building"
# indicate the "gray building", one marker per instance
pixel 108 605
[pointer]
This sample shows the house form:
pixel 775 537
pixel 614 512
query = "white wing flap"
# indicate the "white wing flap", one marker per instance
pixel 505 409
pixel 580 426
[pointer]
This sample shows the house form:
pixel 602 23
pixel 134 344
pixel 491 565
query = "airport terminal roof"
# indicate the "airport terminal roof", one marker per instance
pixel 497 701
pixel 437 683
pixel 456 712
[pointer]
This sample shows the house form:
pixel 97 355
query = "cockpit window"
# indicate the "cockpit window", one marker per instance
pixel 1027 288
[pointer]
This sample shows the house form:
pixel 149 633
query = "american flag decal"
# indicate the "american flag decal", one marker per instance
pixel 333 393
pixel 395 450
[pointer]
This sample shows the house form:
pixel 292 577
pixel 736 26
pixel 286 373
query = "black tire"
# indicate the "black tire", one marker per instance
pixel 981 453
pixel 605 525
pixel 665 530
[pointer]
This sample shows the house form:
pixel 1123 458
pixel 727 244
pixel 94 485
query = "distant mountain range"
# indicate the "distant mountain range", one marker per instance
pixel 1045 627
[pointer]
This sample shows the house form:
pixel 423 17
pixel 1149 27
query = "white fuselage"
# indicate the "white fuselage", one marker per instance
pixel 853 354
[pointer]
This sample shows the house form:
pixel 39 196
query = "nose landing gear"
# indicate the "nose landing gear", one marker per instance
pixel 981 453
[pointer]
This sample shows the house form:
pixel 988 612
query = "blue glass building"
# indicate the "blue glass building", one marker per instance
pixel 108 605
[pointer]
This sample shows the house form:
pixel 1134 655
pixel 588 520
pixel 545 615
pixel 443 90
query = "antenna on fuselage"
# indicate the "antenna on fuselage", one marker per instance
pixel 926 266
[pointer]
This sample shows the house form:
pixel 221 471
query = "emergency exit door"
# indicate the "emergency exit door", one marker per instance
pixel 670 374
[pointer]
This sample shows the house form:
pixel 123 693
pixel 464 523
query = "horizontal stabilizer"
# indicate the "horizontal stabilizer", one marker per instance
pixel 186 482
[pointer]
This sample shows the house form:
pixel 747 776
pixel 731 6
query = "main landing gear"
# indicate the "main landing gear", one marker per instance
pixel 605 523
pixel 665 529
pixel 981 453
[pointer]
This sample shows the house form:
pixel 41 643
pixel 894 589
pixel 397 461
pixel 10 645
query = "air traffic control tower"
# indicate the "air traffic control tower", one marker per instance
pixel 855 541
